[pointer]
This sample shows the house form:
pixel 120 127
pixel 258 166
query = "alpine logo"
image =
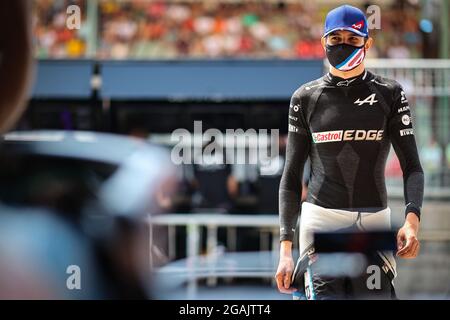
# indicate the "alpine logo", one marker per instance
pixel 358 25
pixel 370 100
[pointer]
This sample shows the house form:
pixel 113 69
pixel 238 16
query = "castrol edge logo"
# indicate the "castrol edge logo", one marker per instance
pixel 347 135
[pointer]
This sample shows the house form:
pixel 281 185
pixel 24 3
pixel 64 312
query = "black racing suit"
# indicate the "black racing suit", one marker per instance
pixel 346 127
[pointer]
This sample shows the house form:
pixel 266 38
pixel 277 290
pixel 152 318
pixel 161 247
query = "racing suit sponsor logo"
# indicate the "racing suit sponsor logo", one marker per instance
pixel 347 135
pixel 370 135
pixel 370 100
pixel 345 83
pixel 406 120
pixel 295 107
pixel 327 136
pixel 402 109
pixel 406 132
pixel 293 118
pixel 403 99
pixel 293 128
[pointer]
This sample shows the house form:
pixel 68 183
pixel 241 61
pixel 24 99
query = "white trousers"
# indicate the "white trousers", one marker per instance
pixel 315 218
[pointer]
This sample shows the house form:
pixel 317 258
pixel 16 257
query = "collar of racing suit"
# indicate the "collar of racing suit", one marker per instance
pixel 341 82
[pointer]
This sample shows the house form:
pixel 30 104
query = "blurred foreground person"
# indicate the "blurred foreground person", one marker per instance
pixel 16 64
pixel 72 204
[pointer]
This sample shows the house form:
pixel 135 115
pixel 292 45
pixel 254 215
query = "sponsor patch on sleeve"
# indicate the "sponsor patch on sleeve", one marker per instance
pixel 403 109
pixel 293 128
pixel 406 119
pixel 406 132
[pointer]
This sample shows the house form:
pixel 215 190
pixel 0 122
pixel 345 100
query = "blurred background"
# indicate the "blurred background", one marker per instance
pixel 143 69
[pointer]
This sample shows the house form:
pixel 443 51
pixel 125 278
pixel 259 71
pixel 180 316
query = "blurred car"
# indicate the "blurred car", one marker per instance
pixel 95 190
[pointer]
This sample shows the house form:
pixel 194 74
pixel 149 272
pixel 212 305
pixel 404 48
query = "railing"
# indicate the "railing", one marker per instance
pixel 420 77
pixel 427 85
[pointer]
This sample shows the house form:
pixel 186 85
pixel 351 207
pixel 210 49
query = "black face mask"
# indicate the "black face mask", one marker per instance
pixel 345 57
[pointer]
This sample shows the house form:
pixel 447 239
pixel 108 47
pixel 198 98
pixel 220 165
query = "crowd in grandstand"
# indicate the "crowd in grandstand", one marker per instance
pixel 197 29
pixel 52 37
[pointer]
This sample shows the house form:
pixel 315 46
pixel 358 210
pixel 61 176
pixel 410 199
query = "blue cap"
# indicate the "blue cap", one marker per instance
pixel 346 18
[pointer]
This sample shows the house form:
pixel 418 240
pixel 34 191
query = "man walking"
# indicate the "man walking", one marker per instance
pixel 345 123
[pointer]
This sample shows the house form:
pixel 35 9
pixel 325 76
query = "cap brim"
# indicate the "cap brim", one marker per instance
pixel 359 33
